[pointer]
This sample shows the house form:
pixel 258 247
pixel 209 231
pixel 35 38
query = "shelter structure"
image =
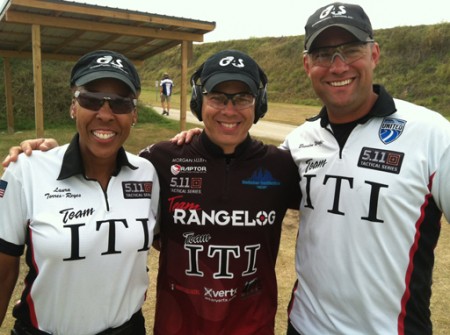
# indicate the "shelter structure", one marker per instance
pixel 65 30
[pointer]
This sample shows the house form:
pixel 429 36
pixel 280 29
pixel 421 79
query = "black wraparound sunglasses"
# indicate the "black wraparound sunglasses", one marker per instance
pixel 95 100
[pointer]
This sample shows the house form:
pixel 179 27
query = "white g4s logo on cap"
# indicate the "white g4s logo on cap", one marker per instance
pixel 231 60
pixel 340 10
pixel 109 60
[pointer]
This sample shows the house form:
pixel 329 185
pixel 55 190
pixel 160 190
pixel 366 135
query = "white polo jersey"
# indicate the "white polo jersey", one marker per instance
pixel 86 249
pixel 166 85
pixel 370 220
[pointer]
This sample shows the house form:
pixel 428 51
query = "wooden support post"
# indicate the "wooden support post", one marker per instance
pixel 184 83
pixel 9 96
pixel 37 75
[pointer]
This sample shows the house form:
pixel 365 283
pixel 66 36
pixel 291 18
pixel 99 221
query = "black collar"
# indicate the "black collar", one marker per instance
pixel 217 151
pixel 72 163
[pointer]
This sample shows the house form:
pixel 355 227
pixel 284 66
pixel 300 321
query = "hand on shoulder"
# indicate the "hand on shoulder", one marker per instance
pixel 27 147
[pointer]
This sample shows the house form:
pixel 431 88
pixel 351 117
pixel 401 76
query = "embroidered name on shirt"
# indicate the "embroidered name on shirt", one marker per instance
pixel 61 193
pixel 381 160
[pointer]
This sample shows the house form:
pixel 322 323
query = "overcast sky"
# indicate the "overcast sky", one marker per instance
pixel 242 19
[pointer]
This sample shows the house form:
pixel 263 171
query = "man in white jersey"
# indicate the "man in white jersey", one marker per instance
pixel 375 180
pixel 85 213
pixel 166 87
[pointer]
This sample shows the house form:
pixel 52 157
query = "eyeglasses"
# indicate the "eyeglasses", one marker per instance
pixel 348 52
pixel 95 101
pixel 220 100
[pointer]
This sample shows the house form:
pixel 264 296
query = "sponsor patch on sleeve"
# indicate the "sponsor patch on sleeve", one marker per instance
pixel 381 160
pixel 137 189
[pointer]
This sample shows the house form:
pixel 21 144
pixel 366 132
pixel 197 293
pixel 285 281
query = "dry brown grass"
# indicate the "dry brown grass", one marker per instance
pixel 290 114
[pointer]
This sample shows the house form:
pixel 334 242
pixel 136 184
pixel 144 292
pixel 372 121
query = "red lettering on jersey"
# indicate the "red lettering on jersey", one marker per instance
pixel 174 203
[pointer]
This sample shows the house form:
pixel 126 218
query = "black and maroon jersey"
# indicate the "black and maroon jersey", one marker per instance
pixel 220 229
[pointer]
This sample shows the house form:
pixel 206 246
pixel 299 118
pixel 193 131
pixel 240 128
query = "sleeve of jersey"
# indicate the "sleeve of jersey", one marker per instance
pixel 441 184
pixel 147 154
pixel 284 145
pixel 289 140
pixel 293 172
pixel 156 203
pixel 13 212
pixel 295 191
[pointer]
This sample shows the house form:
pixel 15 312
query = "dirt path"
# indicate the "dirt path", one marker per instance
pixel 267 129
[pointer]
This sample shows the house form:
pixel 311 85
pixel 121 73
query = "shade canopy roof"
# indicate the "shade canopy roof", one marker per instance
pixel 70 29
pixel 66 30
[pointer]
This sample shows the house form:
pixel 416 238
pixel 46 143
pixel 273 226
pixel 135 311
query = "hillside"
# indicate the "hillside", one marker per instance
pixel 415 66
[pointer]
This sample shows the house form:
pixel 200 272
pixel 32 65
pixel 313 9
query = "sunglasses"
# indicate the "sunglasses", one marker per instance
pixel 348 52
pixel 95 101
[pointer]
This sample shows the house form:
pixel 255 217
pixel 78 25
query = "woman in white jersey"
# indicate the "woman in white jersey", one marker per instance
pixel 85 212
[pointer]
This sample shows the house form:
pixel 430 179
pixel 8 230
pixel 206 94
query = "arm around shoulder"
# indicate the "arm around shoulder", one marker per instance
pixel 27 147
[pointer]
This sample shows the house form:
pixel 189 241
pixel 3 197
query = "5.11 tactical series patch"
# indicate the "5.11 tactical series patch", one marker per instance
pixel 381 160
pixel 137 189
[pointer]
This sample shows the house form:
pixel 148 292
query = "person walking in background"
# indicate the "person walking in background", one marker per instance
pixel 86 213
pixel 375 179
pixel 166 87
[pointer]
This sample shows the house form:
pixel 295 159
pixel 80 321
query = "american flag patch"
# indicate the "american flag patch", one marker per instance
pixel 3 185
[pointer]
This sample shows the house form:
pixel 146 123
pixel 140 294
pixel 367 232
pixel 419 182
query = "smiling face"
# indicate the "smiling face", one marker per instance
pixel 228 127
pixel 345 89
pixel 102 132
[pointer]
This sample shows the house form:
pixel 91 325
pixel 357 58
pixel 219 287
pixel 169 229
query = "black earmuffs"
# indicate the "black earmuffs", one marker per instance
pixel 197 97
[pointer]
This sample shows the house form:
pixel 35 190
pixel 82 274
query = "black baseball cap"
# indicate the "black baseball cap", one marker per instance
pixel 348 16
pixel 105 64
pixel 229 65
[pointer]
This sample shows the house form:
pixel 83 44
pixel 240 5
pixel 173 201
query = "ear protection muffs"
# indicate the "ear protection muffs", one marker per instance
pixel 197 96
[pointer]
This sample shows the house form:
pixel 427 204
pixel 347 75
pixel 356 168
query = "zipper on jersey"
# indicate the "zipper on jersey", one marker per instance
pixel 106 199
pixel 105 194
pixel 227 178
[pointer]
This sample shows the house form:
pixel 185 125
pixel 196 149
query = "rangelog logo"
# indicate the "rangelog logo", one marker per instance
pixel 239 218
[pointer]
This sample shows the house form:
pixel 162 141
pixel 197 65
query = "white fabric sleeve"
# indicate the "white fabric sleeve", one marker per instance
pixel 441 184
